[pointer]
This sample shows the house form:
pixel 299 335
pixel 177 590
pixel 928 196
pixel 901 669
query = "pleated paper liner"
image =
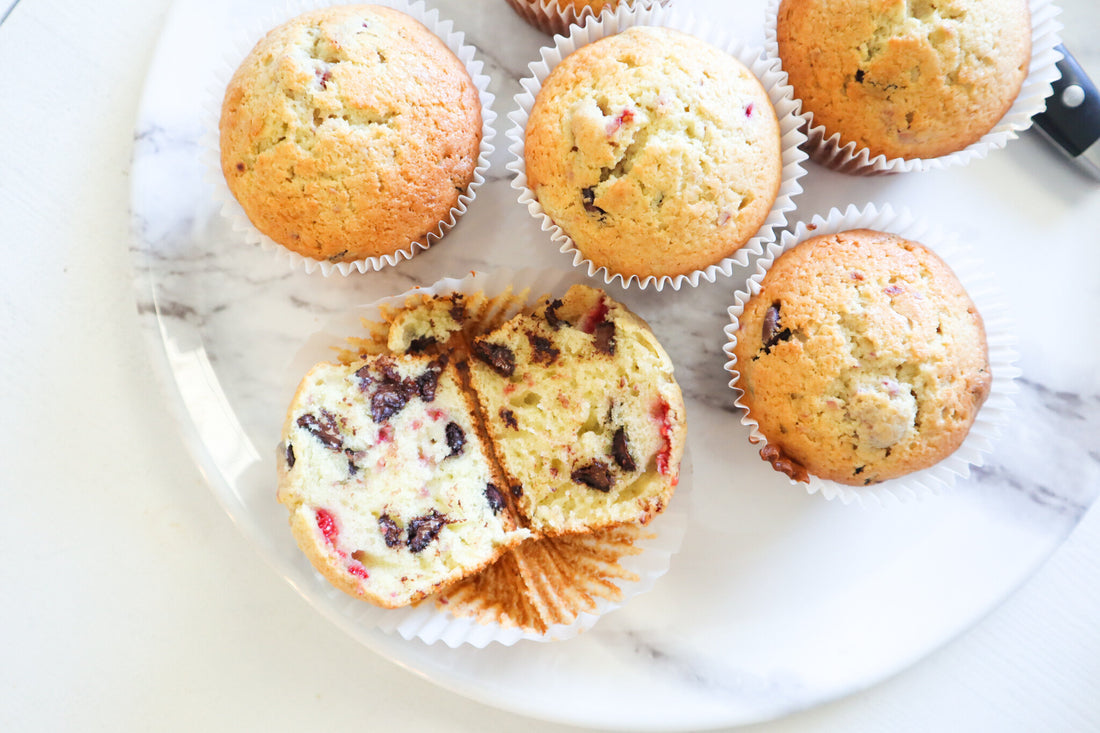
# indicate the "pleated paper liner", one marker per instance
pixel 828 150
pixel 979 285
pixel 231 209
pixel 556 16
pixel 545 589
pixel 767 71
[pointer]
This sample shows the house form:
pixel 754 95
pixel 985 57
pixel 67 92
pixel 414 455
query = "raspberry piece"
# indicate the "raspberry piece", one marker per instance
pixel 327 524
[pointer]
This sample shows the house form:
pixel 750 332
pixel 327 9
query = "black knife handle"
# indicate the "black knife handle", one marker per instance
pixel 1072 116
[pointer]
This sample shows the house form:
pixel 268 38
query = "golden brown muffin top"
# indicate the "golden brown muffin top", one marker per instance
pixel 906 78
pixel 656 152
pixel 862 358
pixel 349 132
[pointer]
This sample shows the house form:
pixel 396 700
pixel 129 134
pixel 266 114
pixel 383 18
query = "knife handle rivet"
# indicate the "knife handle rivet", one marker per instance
pixel 1073 96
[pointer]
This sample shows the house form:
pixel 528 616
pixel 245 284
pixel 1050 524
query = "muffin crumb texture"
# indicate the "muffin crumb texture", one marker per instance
pixel 906 78
pixel 657 153
pixel 408 470
pixel 350 132
pixel 862 359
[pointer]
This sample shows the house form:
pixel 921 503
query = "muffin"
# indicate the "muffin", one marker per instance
pixel 555 16
pixel 392 492
pixel 648 170
pixel 906 79
pixel 583 411
pixel 862 358
pixel 399 462
pixel 350 132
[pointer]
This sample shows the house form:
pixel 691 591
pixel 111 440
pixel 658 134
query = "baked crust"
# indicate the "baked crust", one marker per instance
pixel 905 78
pixel 648 170
pixel 862 358
pixel 350 132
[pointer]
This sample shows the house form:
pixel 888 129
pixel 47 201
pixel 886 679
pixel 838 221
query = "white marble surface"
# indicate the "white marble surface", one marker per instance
pixel 132 603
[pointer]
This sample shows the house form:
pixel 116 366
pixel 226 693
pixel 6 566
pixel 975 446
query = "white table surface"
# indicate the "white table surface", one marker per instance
pixel 129 601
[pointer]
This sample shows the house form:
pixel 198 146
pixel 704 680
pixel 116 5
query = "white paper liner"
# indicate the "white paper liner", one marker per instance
pixel 425 621
pixel 554 17
pixel 243 44
pixel 772 78
pixel 1042 72
pixel 999 337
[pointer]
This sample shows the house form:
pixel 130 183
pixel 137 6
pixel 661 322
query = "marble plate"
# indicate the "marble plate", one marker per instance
pixel 778 600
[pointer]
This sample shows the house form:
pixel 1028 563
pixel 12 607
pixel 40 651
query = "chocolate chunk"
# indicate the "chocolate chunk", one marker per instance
pixel 543 351
pixel 352 455
pixel 517 490
pixel 429 380
pixel 604 335
pixel 494 497
pixel 290 456
pixel 551 314
pixel 458 310
pixel 784 463
pixel 498 356
pixel 771 325
pixel 389 399
pixel 770 333
pixel 588 198
pixel 859 75
pixel 391 533
pixel 858 471
pixel 509 418
pixel 456 437
pixel 420 344
pixel 324 428
pixel 620 451
pixel 424 529
pixel 365 378
pixel 389 370
pixel 595 475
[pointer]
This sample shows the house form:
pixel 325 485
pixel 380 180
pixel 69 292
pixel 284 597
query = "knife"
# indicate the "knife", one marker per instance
pixel 1071 120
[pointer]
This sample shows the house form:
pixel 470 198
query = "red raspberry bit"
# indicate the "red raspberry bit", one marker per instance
pixel 660 413
pixel 595 317
pixel 358 570
pixel 385 433
pixel 327 524
pixel 435 413
pixel 856 275
pixel 624 117
pixel 748 110
pixel 893 289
